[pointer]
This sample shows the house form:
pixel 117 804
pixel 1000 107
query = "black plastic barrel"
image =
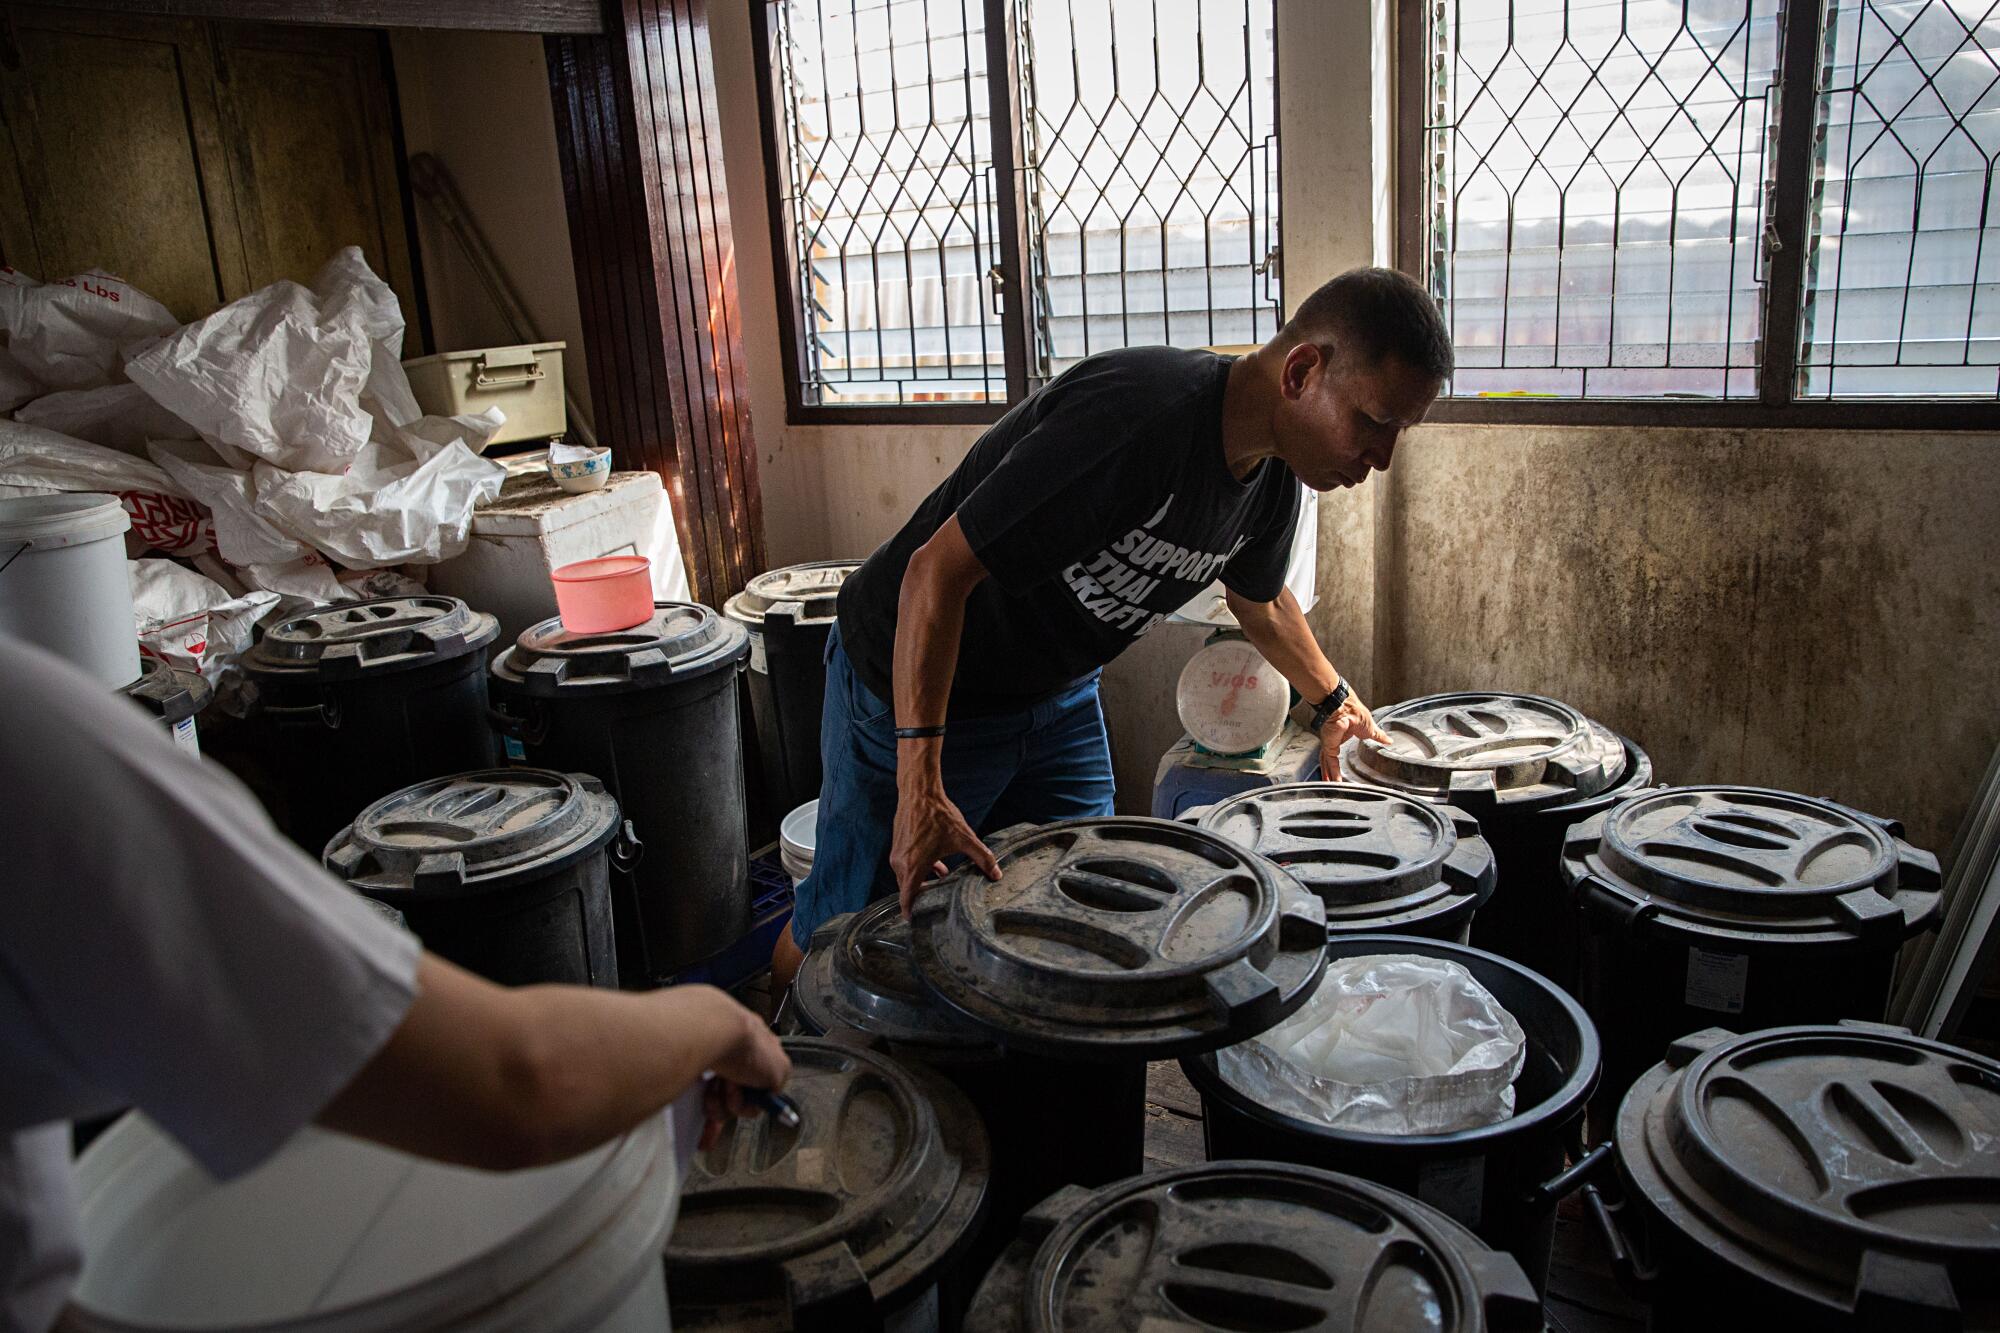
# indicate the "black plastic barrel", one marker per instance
pixel 1263 1246
pixel 359 699
pixel 1737 906
pixel 858 1219
pixel 1052 1122
pixel 504 872
pixel 789 612
pixel 175 697
pixel 1382 863
pixel 1820 1177
pixel 652 712
pixel 1529 769
pixel 1502 1180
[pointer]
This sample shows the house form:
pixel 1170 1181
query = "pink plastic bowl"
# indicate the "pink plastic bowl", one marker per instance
pixel 595 596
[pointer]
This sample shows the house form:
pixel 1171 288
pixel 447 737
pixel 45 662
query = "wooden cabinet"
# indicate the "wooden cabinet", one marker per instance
pixel 199 160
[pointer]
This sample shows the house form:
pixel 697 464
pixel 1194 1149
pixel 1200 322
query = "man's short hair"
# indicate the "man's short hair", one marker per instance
pixel 1376 312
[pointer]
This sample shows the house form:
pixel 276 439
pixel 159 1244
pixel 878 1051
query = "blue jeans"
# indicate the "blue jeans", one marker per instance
pixel 1051 761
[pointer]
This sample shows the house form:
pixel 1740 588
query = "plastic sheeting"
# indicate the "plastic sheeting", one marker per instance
pixel 1388 1044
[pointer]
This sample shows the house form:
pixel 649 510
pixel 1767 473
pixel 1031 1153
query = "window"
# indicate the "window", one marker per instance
pixel 1128 195
pixel 1628 199
pixel 1903 257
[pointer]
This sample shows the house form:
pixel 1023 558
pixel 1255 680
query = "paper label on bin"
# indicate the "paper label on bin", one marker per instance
pixel 757 662
pixel 1717 980
pixel 184 736
pixel 517 753
pixel 1455 1186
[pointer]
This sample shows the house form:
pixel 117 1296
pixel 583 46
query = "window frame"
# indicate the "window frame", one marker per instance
pixel 1017 330
pixel 1776 406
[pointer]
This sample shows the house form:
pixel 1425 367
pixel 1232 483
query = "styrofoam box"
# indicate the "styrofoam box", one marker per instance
pixel 534 527
pixel 525 383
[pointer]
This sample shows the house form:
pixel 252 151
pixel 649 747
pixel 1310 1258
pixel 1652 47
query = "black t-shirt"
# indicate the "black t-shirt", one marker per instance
pixel 1098 506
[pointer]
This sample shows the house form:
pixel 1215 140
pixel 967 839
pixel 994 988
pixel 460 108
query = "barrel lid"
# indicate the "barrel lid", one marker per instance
pixel 1753 864
pixel 1377 859
pixel 682 641
pixel 1516 752
pixel 375 637
pixel 1854 1164
pixel 817 1227
pixel 1140 937
pixel 808 593
pixel 1632 764
pixel 460 834
pixel 860 973
pixel 167 693
pixel 1249 1245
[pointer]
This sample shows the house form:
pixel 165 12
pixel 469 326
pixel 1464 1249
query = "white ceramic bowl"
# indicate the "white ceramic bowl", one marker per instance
pixel 588 474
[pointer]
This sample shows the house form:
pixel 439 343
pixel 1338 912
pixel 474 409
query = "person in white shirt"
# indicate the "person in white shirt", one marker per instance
pixel 163 947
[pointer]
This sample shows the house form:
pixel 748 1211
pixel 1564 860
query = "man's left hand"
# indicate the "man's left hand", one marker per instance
pixel 1350 719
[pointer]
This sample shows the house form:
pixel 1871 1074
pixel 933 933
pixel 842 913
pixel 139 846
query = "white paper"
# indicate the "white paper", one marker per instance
pixel 1717 981
pixel 561 451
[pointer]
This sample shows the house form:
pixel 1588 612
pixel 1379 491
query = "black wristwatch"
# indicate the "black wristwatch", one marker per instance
pixel 1328 706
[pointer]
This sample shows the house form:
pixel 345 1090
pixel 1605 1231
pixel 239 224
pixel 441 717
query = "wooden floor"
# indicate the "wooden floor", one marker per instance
pixel 1583 1296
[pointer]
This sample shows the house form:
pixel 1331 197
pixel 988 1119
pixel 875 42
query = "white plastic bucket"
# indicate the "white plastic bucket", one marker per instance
pixel 334 1234
pixel 1230 699
pixel 63 584
pixel 796 838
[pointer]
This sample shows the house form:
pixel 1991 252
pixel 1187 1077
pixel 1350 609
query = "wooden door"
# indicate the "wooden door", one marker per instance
pixel 307 118
pixel 115 162
pixel 198 160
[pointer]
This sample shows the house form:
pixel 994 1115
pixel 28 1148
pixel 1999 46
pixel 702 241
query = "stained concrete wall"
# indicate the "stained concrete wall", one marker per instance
pixel 1806 610
pixel 1815 611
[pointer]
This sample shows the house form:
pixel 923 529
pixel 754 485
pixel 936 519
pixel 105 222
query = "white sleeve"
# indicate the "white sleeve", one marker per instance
pixel 170 945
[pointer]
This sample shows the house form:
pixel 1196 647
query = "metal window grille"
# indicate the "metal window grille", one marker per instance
pixel 1149 139
pixel 889 197
pixel 1146 192
pixel 1903 256
pixel 1595 192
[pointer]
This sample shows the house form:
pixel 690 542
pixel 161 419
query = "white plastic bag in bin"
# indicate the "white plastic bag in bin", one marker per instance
pixel 1388 1044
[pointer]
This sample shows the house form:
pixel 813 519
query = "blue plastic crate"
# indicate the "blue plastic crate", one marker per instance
pixel 770 912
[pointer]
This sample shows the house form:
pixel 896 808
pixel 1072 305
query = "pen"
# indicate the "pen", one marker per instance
pixel 774 1104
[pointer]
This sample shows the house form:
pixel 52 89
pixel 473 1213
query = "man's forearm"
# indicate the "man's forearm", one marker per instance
pixel 510 1078
pixel 588 1038
pixel 930 618
pixel 1278 630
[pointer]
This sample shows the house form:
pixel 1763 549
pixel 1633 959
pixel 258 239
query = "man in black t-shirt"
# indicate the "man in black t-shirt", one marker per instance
pixel 962 676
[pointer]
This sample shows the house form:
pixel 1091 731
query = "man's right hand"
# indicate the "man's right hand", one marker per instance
pixel 928 829
pixel 755 1059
